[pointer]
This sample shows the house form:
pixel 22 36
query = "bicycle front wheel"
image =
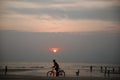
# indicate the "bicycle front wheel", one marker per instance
pixel 49 73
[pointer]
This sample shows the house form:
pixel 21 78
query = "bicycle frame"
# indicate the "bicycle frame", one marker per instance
pixel 53 73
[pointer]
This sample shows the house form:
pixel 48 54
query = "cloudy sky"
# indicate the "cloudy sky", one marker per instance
pixel 60 15
pixel 72 25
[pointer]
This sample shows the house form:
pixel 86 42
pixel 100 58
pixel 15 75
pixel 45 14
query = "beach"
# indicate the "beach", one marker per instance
pixel 38 71
pixel 21 77
pixel 37 74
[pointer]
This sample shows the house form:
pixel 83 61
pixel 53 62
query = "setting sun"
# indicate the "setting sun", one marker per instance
pixel 54 50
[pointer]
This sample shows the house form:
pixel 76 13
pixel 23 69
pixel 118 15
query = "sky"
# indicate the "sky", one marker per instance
pixel 84 30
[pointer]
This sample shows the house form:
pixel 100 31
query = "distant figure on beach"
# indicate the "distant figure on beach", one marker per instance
pixel 113 70
pixel 5 70
pixel 101 69
pixel 119 69
pixel 77 73
pixel 105 71
pixel 108 73
pixel 91 68
pixel 56 66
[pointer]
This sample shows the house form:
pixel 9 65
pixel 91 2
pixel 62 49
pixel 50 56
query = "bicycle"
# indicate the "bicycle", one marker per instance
pixel 52 73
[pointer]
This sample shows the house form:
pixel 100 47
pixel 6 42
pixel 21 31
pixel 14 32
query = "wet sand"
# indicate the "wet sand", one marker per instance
pixel 26 76
pixel 21 77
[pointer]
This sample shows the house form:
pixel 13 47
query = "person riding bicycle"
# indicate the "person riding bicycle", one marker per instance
pixel 56 66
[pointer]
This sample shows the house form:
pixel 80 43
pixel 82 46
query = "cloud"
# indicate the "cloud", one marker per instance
pixel 78 9
pixel 66 3
pixel 47 23
pixel 60 15
pixel 111 14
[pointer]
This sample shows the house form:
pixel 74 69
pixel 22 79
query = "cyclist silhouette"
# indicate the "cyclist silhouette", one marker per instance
pixel 56 66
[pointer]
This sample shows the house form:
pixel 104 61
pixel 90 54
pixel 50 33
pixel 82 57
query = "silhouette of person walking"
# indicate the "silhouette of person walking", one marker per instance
pixel 77 73
pixel 6 70
pixel 119 69
pixel 91 68
pixel 56 66
pixel 105 71
pixel 108 73
pixel 101 69
pixel 113 70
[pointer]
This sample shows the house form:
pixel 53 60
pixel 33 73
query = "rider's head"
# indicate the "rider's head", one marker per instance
pixel 54 60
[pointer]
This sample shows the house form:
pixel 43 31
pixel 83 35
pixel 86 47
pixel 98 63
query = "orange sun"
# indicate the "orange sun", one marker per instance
pixel 54 50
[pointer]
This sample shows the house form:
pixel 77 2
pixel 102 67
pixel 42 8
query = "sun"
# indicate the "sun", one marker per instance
pixel 54 50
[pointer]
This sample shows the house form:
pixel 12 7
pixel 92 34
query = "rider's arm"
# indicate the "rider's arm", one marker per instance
pixel 54 65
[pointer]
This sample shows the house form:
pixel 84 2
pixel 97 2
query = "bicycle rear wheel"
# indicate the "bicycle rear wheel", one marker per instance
pixel 61 74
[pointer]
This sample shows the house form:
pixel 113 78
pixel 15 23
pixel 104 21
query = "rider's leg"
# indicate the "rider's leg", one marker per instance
pixel 57 72
pixel 54 73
